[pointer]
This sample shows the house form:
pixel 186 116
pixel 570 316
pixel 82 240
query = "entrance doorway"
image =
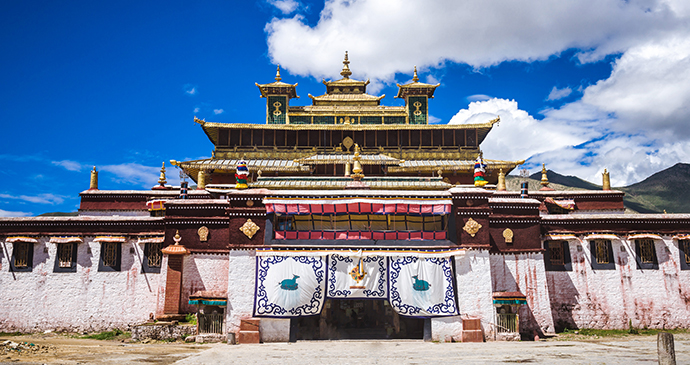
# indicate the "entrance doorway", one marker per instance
pixel 343 319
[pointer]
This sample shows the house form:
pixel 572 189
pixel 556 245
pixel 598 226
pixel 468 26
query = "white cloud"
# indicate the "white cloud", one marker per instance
pixel 190 89
pixel 69 165
pixel 378 35
pixel 218 111
pixel 134 173
pixel 478 97
pixel 37 199
pixel 196 110
pixel 285 6
pixel 557 93
pixel 6 213
pixel 434 120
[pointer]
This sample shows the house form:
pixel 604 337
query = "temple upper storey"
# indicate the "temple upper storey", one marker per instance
pixel 346 102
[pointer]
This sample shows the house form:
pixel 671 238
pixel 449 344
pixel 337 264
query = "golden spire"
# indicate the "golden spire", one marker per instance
pixel 94 179
pixel 161 179
pixel 501 180
pixel 278 78
pixel 357 174
pixel 415 78
pixel 544 178
pixel 201 180
pixel 606 185
pixel 346 68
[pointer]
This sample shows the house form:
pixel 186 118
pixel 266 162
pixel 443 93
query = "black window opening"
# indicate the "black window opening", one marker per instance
pixel 111 256
pixel 557 256
pixel 646 254
pixel 22 257
pixel 152 257
pixel 602 255
pixel 66 257
pixel 684 246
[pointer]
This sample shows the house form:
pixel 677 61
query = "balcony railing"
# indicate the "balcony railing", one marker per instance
pixel 211 323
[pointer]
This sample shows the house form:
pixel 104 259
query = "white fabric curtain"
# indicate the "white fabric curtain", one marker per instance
pixel 441 253
pixel 289 286
pixel 357 277
pixel 421 287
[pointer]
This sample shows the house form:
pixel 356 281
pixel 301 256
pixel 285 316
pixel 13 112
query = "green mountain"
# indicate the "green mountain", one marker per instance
pixel 667 190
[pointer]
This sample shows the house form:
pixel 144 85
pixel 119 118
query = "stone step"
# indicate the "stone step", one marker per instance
pixel 248 337
pixel 249 324
pixel 472 336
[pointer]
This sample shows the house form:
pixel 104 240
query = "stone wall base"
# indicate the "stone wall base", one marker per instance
pixel 162 331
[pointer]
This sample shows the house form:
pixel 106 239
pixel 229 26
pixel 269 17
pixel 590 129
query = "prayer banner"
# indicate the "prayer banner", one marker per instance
pixel 357 277
pixel 289 286
pixel 421 287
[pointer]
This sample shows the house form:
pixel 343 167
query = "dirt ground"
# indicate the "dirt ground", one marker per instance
pixel 569 349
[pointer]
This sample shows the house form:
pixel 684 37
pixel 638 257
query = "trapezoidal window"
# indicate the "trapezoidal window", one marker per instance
pixel 152 257
pixel 22 256
pixel 646 254
pixel 111 255
pixel 684 246
pixel 66 258
pixel 557 256
pixel 602 255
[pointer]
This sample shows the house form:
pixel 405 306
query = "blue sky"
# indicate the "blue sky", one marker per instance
pixel 580 86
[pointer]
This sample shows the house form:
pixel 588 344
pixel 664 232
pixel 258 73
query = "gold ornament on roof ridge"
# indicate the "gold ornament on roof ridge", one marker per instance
pixel 544 178
pixel 278 78
pixel 161 179
pixel 346 68
pixel 415 78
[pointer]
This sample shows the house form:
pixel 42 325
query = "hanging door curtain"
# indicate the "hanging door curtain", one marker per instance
pixel 421 287
pixel 358 206
pixel 289 286
pixel 293 283
pixel 357 277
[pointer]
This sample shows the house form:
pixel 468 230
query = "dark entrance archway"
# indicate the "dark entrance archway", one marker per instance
pixel 343 319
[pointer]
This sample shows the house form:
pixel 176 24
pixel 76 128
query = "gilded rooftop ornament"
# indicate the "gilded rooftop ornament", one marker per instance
pixel 161 180
pixel 415 78
pixel 544 178
pixel 249 228
pixel 278 78
pixel 606 184
pixel 93 185
pixel 346 68
pixel 472 227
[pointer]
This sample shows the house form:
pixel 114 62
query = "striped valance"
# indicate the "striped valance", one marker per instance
pixel 360 235
pixel 353 206
pixel 642 236
pixel 682 237
pixel 602 236
pixel 116 239
pixel 157 239
pixel 554 237
pixel 66 239
pixel 21 239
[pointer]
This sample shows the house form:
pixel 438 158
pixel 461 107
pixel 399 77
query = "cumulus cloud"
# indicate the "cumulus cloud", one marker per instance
pixel 379 36
pixel 6 213
pixel 557 93
pixel 69 165
pixel 478 97
pixel 218 111
pixel 134 173
pixel 48 198
pixel 285 6
pixel 196 110
pixel 190 89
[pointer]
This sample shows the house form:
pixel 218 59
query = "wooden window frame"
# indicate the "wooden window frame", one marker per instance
pixel 647 262
pixel 555 266
pixel 73 262
pixel 145 265
pixel 27 249
pixel 597 248
pixel 114 264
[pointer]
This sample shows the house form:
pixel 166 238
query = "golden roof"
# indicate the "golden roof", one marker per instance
pixel 278 87
pixel 416 88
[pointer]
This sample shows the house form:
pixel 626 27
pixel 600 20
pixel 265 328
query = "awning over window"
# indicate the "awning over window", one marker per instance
pixel 360 235
pixel 158 239
pixel 554 237
pixel 602 236
pixel 116 239
pixel 358 206
pixel 155 204
pixel 21 239
pixel 682 237
pixel 68 239
pixel 509 298
pixel 568 204
pixel 206 297
pixel 642 236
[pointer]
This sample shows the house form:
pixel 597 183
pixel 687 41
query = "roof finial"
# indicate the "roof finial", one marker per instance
pixel 161 179
pixel 346 68
pixel 544 178
pixel 278 78
pixel 415 78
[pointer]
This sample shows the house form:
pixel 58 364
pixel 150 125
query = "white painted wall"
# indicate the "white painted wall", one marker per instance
pixel 86 300
pixel 525 273
pixel 609 299
pixel 473 278
pixel 241 277
pixel 202 271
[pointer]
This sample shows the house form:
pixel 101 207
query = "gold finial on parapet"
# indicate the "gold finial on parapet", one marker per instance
pixel 606 184
pixel 94 179
pixel 501 181
pixel 278 78
pixel 414 77
pixel 347 169
pixel 161 179
pixel 346 68
pixel 544 178
pixel 439 172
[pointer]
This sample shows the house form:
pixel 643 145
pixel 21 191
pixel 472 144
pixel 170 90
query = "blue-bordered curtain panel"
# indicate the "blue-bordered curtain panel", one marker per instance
pixel 421 287
pixel 289 286
pixel 357 277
